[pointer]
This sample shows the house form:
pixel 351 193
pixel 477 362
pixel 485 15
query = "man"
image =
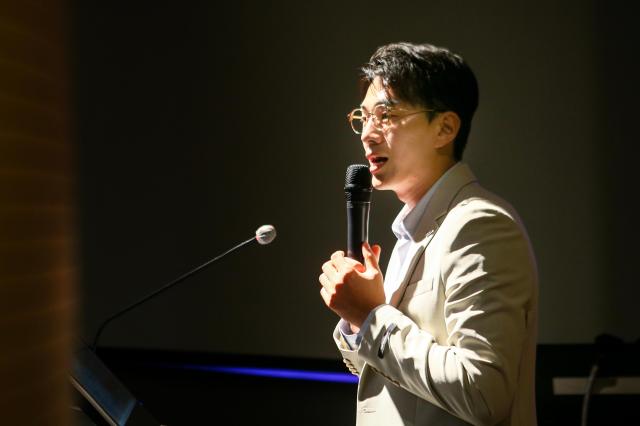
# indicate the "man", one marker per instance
pixel 449 336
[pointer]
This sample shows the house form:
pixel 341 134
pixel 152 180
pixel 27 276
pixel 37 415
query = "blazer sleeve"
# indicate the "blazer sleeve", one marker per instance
pixel 487 276
pixel 350 357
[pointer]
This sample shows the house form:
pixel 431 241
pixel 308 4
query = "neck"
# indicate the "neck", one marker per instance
pixel 422 184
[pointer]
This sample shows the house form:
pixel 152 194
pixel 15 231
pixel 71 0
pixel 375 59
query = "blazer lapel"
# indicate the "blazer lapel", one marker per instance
pixel 399 293
pixel 435 213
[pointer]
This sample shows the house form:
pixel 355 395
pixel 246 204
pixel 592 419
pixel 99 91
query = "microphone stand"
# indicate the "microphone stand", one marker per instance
pixel 160 290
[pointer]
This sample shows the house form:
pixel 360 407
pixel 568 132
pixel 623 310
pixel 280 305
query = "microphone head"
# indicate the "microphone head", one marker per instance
pixel 357 183
pixel 265 234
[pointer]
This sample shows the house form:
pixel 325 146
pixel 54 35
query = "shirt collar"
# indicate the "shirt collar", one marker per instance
pixel 408 219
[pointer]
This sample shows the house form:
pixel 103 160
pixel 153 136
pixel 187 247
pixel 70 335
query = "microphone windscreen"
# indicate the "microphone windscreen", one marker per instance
pixel 357 184
pixel 265 234
pixel 358 178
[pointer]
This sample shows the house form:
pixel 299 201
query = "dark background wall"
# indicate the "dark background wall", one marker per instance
pixel 196 123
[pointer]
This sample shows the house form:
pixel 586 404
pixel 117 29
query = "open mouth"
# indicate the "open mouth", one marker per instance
pixel 376 163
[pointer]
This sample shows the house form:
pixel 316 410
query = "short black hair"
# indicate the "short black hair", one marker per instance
pixel 428 76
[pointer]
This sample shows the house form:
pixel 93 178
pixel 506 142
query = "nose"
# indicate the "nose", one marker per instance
pixel 370 134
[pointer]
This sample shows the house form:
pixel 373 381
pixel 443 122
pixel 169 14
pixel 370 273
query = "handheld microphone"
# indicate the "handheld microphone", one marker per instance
pixel 357 191
pixel 264 235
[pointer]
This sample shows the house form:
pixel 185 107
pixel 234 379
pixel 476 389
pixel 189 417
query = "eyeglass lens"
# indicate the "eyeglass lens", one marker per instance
pixel 359 118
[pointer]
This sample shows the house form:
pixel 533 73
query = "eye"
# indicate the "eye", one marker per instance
pixel 382 113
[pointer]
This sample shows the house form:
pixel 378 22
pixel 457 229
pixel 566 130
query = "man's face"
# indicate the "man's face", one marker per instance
pixel 401 154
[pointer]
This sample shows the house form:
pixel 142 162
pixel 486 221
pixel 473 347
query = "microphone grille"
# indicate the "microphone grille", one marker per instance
pixel 265 234
pixel 358 178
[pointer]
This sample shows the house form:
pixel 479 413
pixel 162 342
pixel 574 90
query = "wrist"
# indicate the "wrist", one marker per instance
pixel 364 317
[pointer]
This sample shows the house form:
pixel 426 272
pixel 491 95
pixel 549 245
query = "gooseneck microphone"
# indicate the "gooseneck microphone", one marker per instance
pixel 264 235
pixel 357 191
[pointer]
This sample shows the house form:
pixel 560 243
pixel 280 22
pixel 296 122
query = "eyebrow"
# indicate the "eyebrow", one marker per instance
pixel 386 102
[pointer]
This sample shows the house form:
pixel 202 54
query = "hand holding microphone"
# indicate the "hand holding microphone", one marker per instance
pixel 352 285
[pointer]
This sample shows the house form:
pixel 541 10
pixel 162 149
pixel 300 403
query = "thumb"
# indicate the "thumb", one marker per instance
pixel 377 250
pixel 371 255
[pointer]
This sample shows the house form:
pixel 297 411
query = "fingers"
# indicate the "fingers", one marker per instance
pixel 336 269
pixel 327 289
pixel 324 281
pixel 333 272
pixel 371 255
pixel 353 264
pixel 337 256
pixel 377 250
pixel 342 263
pixel 325 296
pixel 330 270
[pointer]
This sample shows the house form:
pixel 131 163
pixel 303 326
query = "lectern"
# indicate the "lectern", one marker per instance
pixel 101 397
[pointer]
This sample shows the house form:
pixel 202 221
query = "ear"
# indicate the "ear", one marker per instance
pixel 449 126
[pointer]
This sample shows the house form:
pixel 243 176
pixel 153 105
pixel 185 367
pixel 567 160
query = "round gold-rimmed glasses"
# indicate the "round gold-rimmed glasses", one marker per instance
pixel 382 116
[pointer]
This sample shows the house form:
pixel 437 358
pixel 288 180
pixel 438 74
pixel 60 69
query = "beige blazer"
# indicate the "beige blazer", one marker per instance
pixel 457 342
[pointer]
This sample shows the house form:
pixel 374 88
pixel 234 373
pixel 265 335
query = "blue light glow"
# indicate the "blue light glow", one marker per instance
pixel 279 373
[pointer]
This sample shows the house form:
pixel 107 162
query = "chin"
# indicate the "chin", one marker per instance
pixel 377 183
pixel 382 181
